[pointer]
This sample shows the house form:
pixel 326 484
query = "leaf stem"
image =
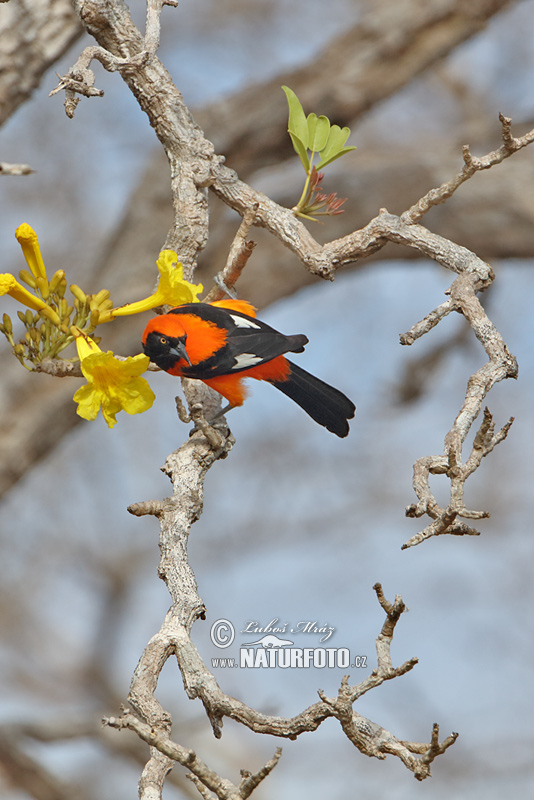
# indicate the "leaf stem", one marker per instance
pixel 305 191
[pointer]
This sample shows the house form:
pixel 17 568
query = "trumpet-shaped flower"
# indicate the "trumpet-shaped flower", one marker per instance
pixel 27 238
pixel 10 285
pixel 112 385
pixel 172 289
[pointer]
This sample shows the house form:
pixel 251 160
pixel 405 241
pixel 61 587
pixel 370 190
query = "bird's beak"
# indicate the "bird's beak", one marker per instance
pixel 179 351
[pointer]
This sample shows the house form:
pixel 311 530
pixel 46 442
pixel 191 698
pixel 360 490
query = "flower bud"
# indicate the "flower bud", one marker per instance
pixel 62 307
pixel 35 335
pixel 101 296
pixel 78 293
pixel 56 279
pixel 8 325
pixel 27 238
pixel 61 287
pixel 28 278
pixel 50 314
pixel 43 286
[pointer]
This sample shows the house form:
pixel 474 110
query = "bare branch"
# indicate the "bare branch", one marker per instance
pixel 173 752
pixel 205 793
pixel 472 164
pixel 473 275
pixel 426 324
pixel 251 781
pixel 174 638
pixel 15 169
pixel 203 777
pixel 239 254
pixel 59 368
pixel 153 23
pixel 150 507
pixel 214 439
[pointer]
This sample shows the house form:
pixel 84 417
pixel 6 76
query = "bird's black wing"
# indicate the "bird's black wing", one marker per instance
pixel 249 342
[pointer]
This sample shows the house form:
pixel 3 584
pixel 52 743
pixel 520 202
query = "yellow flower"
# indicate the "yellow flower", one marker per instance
pixel 27 238
pixel 111 384
pixel 10 285
pixel 172 289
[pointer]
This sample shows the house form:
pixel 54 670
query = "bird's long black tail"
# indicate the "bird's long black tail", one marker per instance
pixel 324 404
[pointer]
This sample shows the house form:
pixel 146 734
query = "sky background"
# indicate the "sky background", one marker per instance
pixel 298 525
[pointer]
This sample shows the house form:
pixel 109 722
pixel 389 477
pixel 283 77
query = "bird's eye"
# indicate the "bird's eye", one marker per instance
pixel 162 340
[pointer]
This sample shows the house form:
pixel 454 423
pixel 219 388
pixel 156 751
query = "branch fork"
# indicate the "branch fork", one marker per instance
pixel 149 720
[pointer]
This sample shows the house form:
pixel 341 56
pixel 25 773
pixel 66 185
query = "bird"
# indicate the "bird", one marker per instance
pixel 222 343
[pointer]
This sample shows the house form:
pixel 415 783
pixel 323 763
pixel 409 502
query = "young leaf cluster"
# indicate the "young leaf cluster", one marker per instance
pixel 315 134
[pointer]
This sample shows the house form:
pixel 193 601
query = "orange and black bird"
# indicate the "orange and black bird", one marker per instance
pixel 223 343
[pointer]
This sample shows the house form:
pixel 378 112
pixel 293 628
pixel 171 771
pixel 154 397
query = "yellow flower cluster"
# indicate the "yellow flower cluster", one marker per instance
pixel 113 384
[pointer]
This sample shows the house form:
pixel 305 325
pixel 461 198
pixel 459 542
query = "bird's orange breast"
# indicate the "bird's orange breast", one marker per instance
pixel 204 338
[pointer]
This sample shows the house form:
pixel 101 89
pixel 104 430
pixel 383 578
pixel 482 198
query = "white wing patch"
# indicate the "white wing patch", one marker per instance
pixel 241 322
pixel 246 360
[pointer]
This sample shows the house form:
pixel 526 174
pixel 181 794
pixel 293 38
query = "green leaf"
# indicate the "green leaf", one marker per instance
pixel 301 151
pixel 298 125
pixel 334 147
pixel 318 131
pixel 322 164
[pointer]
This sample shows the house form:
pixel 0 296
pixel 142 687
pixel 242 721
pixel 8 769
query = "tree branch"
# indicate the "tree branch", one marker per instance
pixel 199 682
pixel 502 364
pixel 472 164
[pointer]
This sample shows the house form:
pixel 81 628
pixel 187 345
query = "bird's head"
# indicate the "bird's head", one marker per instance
pixel 164 342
